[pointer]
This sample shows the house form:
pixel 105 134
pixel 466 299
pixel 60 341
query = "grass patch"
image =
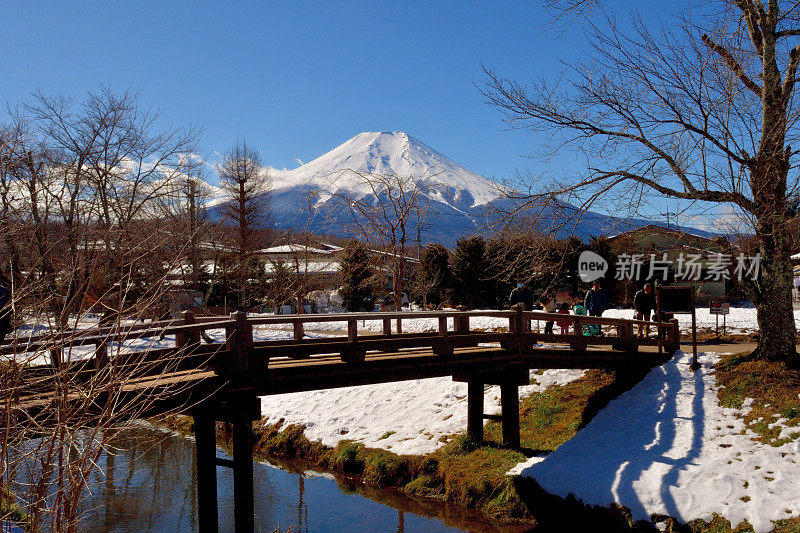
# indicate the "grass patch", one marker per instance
pixel 9 510
pixel 774 388
pixel 386 435
pixel 552 417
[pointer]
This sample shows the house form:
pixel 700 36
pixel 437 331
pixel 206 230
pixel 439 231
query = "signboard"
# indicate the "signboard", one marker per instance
pixel 676 299
pixel 719 308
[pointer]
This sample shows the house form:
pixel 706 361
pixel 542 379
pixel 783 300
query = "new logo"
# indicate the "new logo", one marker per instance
pixel 591 266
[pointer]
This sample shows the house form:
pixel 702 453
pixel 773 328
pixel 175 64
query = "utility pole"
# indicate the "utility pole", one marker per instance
pixel 419 239
pixel 667 214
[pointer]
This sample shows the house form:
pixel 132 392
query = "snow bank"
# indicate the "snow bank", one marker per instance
pixel 667 447
pixel 418 412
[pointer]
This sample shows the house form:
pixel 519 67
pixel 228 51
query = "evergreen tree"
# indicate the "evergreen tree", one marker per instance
pixel 357 277
pixel 471 272
pixel 434 277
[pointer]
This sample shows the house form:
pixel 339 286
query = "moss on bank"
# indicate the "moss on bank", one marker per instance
pixel 773 387
pixel 9 510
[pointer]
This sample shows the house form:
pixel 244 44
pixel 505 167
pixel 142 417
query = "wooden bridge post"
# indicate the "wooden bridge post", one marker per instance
pixel 55 357
pixel 187 338
pixel 387 326
pixel 353 352
pixel 509 400
pixel 297 329
pixel 239 340
pixel 443 346
pixel 475 410
pixel 352 330
pixel 101 354
pixel 205 443
pixel 243 498
pixel 515 320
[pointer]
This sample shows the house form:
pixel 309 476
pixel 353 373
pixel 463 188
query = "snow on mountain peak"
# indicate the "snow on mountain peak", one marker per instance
pixel 390 152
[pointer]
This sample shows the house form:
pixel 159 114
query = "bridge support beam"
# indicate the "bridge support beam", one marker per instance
pixel 509 379
pixel 475 410
pixel 243 501
pixel 239 408
pixel 509 399
pixel 205 442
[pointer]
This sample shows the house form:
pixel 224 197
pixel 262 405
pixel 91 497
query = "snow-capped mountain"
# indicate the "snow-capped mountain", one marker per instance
pixel 461 202
pixel 389 153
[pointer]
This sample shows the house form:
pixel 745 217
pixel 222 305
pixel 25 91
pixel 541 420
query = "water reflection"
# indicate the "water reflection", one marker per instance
pixel 149 486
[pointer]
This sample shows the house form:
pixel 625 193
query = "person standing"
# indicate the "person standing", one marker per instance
pixel 596 302
pixel 549 305
pixel 564 324
pixel 521 295
pixel 644 301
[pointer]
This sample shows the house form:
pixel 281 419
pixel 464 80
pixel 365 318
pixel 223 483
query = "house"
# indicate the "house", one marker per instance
pixel 682 258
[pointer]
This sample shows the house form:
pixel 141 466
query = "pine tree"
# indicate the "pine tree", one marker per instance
pixel 471 272
pixel 434 278
pixel 357 277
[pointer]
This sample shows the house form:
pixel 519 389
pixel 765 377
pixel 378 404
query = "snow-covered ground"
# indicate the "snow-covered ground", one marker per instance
pixel 740 320
pixel 407 417
pixel 667 447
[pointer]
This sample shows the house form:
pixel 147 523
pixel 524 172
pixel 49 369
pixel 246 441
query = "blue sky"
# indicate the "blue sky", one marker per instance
pixel 298 78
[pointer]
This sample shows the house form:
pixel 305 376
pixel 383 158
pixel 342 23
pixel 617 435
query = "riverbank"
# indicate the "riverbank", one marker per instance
pixel 458 472
pixel 712 450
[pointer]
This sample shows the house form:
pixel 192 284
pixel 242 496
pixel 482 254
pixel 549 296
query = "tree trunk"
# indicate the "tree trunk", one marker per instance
pixel 774 308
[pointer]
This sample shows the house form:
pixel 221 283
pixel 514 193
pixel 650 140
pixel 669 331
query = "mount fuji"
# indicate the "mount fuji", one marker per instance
pixel 460 202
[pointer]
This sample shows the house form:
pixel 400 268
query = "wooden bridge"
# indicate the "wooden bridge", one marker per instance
pixel 221 381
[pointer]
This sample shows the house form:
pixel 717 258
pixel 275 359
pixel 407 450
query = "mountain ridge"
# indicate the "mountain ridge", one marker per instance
pixel 461 202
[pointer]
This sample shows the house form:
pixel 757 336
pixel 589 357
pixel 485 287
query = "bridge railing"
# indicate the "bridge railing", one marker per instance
pixel 452 327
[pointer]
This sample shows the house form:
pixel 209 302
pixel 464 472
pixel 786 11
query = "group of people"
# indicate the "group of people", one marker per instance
pixel 594 303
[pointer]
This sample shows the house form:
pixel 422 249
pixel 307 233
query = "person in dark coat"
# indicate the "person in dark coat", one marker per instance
pixel 549 305
pixel 596 300
pixel 5 311
pixel 644 301
pixel 521 295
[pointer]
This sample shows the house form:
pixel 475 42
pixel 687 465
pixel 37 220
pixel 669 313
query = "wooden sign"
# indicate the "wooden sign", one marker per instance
pixel 677 299
pixel 719 308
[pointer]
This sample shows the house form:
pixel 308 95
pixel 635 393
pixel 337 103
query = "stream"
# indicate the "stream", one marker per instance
pixel 148 485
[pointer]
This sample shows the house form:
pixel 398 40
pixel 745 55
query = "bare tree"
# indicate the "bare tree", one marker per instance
pixel 703 111
pixel 186 208
pixel 107 166
pixel 247 184
pixel 385 216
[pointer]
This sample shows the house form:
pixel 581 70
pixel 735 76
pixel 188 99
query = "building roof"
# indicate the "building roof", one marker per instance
pixel 294 248
pixel 654 227
pixel 675 238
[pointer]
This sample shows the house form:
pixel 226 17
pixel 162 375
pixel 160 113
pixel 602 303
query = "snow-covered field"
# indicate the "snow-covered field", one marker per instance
pixel 740 320
pixel 407 417
pixel 667 447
